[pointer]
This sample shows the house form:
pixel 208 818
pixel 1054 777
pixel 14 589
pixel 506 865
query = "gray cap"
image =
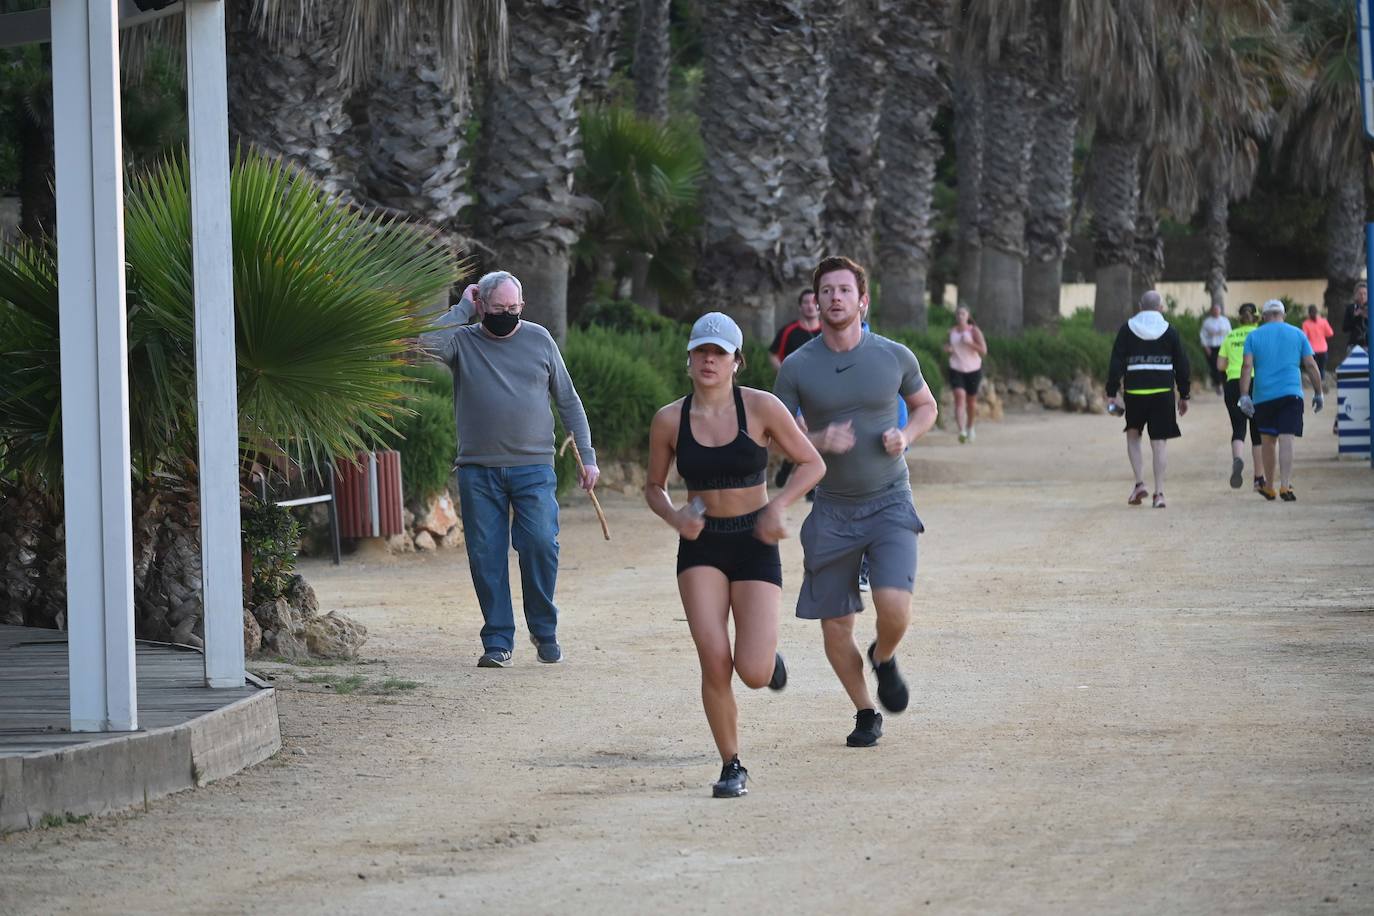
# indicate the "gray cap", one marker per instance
pixel 716 328
pixel 1274 305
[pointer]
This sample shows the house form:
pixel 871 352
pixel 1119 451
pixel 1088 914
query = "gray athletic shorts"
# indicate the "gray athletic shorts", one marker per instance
pixel 835 537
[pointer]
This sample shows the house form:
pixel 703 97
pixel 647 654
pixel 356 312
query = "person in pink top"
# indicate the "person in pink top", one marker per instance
pixel 966 349
pixel 1318 331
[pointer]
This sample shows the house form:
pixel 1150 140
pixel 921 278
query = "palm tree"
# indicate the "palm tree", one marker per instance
pixel 968 165
pixel 531 148
pixel 757 50
pixel 915 36
pixel 302 261
pixel 806 176
pixel 287 95
pixel 1008 46
pixel 1050 195
pixel 1321 134
pixel 652 59
pixel 854 107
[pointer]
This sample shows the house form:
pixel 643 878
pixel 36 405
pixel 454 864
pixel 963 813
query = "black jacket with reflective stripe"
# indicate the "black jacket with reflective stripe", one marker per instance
pixel 1158 363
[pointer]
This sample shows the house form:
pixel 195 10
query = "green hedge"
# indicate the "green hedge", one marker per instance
pixel 426 438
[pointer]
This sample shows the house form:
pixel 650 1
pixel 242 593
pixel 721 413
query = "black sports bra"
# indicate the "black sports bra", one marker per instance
pixel 741 462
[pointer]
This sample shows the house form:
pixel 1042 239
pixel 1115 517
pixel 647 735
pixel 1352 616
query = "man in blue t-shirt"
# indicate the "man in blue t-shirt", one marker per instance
pixel 1275 355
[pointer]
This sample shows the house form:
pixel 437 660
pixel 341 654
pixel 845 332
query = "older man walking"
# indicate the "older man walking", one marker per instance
pixel 1148 361
pixel 1275 355
pixel 505 371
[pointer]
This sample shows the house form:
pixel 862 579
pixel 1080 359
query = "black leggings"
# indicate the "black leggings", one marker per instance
pixel 1239 420
pixel 729 545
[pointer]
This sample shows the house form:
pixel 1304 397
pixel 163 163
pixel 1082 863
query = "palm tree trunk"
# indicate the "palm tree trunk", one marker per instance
pixel 1051 203
pixel 1149 252
pixel 806 176
pixel 416 162
pixel 653 59
pixel 602 51
pixel 755 54
pixel 1216 212
pixel 855 107
pixel 532 145
pixel 1114 195
pixel 1344 227
pixel 968 165
pixel 1004 188
pixel 910 148
pixel 286 97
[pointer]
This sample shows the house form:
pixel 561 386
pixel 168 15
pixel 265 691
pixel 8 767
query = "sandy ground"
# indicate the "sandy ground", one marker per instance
pixel 1115 710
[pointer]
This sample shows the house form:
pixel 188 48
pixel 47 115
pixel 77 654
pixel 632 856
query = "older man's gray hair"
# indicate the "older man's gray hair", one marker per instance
pixel 489 282
pixel 1152 301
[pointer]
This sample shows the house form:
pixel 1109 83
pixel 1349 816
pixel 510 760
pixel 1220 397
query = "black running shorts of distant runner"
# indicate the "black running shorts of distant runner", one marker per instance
pixel 966 381
pixel 1155 411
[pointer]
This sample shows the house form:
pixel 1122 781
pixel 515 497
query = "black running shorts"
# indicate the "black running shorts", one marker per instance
pixel 1280 416
pixel 1155 411
pixel 729 545
pixel 966 381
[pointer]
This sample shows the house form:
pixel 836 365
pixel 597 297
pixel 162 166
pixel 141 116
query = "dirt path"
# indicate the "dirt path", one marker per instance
pixel 1114 710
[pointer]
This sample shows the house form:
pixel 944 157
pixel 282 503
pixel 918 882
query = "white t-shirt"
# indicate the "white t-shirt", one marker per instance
pixel 1214 331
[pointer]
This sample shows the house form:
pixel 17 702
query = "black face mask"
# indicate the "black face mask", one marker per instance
pixel 500 323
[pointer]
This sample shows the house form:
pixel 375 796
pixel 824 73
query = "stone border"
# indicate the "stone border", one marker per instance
pixel 109 774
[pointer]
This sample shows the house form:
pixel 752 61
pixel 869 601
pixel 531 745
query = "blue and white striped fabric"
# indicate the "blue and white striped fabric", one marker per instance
pixel 1352 404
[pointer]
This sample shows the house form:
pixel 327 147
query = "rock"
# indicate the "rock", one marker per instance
pixel 1096 403
pixel 302 597
pixel 274 617
pixel 1077 398
pixel 1051 398
pixel 399 543
pixel 1016 386
pixel 335 636
pixel 439 517
pixel 425 541
pixel 1040 384
pixel 407 518
pixel 454 538
pixel 252 633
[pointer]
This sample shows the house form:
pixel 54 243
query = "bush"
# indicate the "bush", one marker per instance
pixel 272 538
pixel 425 436
pixel 623 315
pixel 620 391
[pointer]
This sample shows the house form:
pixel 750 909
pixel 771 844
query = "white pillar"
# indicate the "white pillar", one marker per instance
pixel 216 377
pixel 95 377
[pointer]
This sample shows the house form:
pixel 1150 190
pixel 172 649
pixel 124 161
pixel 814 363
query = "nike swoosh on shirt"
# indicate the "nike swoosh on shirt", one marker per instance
pixel 843 368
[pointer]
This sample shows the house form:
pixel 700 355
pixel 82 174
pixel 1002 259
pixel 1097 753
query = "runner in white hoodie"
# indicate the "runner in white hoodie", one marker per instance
pixel 1148 361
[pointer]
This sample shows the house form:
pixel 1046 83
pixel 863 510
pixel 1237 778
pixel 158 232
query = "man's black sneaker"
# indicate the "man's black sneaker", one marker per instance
pixel 732 781
pixel 779 679
pixel 892 692
pixel 868 728
pixel 549 651
pixel 494 658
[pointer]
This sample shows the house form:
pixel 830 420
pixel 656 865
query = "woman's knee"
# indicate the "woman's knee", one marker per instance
pixel 755 674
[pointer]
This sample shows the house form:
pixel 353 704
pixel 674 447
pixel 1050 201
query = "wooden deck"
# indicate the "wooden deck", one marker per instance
pixel 189 734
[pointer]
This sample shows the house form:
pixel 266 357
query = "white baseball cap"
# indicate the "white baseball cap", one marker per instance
pixel 716 328
pixel 1274 305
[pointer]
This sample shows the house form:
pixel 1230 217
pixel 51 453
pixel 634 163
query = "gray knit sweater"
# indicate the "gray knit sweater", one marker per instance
pixel 501 392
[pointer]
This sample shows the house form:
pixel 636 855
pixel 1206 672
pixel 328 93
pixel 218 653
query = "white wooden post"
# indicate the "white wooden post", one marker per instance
pixel 216 375
pixel 95 377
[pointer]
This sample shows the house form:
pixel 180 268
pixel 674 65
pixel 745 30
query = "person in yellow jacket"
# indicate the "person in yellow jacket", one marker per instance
pixel 1229 360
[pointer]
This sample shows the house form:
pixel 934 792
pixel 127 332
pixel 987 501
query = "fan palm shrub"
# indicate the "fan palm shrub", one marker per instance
pixel 326 300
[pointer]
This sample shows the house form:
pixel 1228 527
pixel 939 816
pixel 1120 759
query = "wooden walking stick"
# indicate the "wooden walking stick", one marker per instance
pixel 596 503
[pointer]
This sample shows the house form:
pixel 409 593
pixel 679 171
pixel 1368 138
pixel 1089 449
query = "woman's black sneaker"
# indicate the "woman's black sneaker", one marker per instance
pixel 892 692
pixel 779 679
pixel 733 777
pixel 868 728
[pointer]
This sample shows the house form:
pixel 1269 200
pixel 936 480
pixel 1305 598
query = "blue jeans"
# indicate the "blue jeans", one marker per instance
pixel 488 495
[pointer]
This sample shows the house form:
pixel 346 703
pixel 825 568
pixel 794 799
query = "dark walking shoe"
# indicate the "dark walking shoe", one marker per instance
pixel 1259 483
pixel 779 679
pixel 733 777
pixel 892 692
pixel 494 658
pixel 549 652
pixel 1287 495
pixel 868 728
pixel 1237 473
